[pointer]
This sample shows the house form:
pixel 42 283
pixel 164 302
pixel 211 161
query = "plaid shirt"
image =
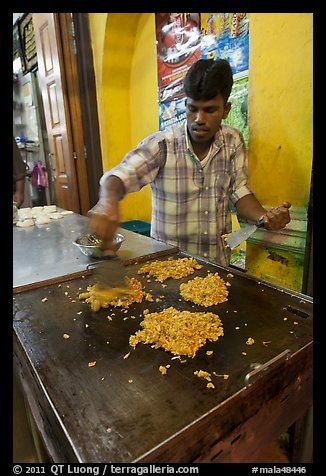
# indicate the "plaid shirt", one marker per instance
pixel 190 198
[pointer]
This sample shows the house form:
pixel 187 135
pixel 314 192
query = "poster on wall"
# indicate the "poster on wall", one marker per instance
pixel 226 35
pixel 178 47
pixel 182 39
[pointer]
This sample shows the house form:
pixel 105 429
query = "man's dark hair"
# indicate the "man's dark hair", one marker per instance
pixel 207 78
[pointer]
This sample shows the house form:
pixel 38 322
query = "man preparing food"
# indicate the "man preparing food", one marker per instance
pixel 194 169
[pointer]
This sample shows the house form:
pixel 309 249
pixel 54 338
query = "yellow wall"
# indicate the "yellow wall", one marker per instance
pixel 127 89
pixel 97 24
pixel 280 100
pixel 143 81
pixel 280 107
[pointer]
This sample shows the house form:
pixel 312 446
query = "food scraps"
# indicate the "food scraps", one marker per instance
pixel 164 369
pixel 203 374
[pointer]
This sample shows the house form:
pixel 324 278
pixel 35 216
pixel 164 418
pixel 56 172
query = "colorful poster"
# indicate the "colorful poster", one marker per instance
pixel 226 36
pixel 238 115
pixel 178 47
pixel 171 112
pixel 182 39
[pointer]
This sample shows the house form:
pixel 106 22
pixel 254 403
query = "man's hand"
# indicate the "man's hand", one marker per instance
pixel 104 221
pixel 278 217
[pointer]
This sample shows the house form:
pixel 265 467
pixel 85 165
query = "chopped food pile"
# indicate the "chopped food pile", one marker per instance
pixel 182 333
pixel 205 291
pixel 98 297
pixel 178 332
pixel 171 268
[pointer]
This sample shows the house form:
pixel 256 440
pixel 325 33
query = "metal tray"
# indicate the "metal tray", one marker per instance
pixel 121 409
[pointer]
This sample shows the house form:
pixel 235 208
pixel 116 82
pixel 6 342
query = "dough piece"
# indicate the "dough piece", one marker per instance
pixel 55 216
pixel 66 212
pixel 36 211
pixel 25 223
pixel 42 219
pixel 50 208
pixel 24 213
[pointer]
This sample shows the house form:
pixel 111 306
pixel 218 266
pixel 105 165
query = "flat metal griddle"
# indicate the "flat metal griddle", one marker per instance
pixel 121 409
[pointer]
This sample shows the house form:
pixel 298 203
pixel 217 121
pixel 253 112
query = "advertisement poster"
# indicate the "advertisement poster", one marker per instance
pixel 226 36
pixel 178 47
pixel 182 39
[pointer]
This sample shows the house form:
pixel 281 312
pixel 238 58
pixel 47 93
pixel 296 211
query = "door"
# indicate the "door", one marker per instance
pixel 69 52
pixel 56 110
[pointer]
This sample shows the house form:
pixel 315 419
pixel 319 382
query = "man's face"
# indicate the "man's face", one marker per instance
pixel 204 117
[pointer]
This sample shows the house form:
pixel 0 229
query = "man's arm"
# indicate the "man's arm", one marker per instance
pixel 112 189
pixel 250 208
pixel 105 216
pixel 274 219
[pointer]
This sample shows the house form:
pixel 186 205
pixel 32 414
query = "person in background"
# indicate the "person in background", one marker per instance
pixel 194 169
pixel 19 172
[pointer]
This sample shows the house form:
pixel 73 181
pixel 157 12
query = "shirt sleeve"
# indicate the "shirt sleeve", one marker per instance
pixel 140 166
pixel 239 171
pixel 19 167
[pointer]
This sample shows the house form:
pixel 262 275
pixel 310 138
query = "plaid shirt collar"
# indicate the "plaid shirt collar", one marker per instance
pixel 216 143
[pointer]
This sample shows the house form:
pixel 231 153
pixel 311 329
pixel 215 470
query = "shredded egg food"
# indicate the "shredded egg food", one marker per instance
pixel 170 268
pixel 205 291
pixel 178 332
pixel 117 297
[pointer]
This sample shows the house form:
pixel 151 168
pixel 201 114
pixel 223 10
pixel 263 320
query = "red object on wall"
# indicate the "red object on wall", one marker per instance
pixel 178 47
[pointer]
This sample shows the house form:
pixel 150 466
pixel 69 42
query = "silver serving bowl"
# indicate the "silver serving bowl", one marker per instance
pixel 88 244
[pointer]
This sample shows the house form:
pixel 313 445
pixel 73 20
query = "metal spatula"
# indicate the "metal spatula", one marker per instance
pixel 112 274
pixel 237 237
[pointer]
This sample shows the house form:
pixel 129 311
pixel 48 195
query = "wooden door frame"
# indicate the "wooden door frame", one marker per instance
pixel 70 77
pixel 81 90
pixel 56 107
pixel 88 104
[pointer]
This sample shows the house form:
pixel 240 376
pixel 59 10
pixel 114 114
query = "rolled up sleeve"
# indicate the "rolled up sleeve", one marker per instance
pixel 139 167
pixel 240 185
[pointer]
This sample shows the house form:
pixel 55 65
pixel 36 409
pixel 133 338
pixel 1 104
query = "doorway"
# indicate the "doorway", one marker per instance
pixel 29 129
pixel 52 110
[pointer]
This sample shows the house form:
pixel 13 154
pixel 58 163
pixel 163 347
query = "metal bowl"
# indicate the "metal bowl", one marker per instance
pixel 84 243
